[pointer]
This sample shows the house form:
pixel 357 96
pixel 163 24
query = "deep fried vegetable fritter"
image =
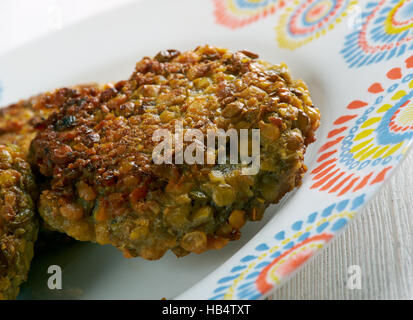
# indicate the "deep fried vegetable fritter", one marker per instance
pixel 18 225
pixel 97 153
pixel 18 124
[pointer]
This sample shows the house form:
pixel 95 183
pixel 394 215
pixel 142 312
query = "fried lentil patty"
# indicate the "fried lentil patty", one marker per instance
pixel 18 224
pixel 18 123
pixel 96 152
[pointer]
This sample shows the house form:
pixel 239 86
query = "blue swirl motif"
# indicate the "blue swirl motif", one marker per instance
pixel 248 4
pixel 383 135
pixel 305 21
pixel 374 29
pixel 240 282
pixel 310 7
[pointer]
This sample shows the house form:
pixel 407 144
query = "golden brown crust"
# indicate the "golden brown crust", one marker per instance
pixel 18 224
pixel 18 217
pixel 18 121
pixel 97 152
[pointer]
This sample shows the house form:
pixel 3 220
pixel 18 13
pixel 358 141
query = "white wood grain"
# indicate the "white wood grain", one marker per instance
pixel 379 240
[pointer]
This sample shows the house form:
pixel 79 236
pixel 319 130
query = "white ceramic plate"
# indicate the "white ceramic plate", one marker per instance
pixel 355 57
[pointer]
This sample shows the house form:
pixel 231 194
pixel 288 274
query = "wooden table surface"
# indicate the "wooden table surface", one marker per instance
pixel 379 240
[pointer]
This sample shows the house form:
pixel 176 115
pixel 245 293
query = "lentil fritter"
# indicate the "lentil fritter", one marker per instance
pixel 18 190
pixel 18 224
pixel 96 152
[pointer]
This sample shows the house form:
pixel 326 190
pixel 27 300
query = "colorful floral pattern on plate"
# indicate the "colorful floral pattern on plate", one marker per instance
pixel 304 21
pixel 257 273
pixel 385 32
pixel 239 13
pixel 371 138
